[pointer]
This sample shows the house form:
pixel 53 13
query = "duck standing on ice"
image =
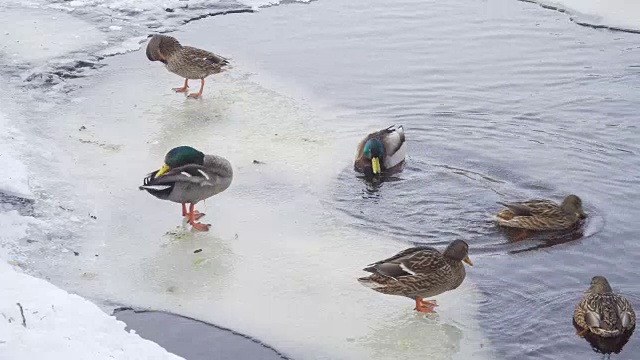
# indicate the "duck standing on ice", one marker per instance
pixel 189 176
pixel 186 61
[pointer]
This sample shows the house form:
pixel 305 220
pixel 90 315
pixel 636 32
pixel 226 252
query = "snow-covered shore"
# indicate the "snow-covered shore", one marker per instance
pixel 41 321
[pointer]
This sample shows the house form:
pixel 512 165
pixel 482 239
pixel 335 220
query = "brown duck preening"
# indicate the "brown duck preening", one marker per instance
pixel 186 61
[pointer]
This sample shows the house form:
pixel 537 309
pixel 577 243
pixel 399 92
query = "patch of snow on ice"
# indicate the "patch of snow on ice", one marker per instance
pixel 49 321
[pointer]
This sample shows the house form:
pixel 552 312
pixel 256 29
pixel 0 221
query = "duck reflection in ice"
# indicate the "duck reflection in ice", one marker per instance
pixel 605 319
pixel 381 153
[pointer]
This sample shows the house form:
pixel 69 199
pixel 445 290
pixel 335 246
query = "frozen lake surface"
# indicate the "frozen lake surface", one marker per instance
pixel 290 235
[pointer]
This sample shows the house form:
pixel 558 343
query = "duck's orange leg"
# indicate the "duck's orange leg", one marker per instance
pixel 192 220
pixel 197 214
pixel 199 93
pixel 425 306
pixel 183 88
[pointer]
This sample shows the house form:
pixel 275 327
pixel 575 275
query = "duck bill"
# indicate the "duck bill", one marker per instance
pixel 163 170
pixel 375 165
pixel 467 260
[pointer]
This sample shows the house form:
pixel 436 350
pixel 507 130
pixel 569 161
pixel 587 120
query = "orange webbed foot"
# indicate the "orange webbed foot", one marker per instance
pixel 197 215
pixel 200 227
pixel 183 88
pixel 425 306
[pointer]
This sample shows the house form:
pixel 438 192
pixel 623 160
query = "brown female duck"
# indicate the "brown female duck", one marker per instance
pixel 540 214
pixel 420 272
pixel 186 61
pixel 603 312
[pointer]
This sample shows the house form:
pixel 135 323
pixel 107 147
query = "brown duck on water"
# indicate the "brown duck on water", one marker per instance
pixel 420 272
pixel 186 61
pixel 541 214
pixel 603 312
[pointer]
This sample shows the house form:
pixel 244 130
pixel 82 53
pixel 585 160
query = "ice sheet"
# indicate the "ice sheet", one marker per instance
pixel 618 14
pixel 278 264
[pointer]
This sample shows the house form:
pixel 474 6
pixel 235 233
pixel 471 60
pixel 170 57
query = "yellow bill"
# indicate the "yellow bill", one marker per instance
pixel 163 170
pixel 467 260
pixel 375 165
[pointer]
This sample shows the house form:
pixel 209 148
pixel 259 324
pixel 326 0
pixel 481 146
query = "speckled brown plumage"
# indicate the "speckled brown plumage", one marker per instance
pixel 186 61
pixel 419 272
pixel 603 312
pixel 542 214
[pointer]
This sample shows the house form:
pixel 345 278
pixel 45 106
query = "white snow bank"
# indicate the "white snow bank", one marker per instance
pixel 60 325
pixel 617 14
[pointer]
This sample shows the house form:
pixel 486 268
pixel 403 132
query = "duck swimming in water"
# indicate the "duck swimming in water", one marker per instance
pixel 381 152
pixel 541 214
pixel 603 312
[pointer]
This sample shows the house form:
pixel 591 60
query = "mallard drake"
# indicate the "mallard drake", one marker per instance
pixel 420 272
pixel 188 176
pixel 380 152
pixel 540 214
pixel 186 61
pixel 603 312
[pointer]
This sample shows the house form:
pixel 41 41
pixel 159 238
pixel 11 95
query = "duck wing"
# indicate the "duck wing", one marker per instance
pixel 532 207
pixel 393 140
pixel 204 58
pixel 417 260
pixel 517 209
pixel 195 174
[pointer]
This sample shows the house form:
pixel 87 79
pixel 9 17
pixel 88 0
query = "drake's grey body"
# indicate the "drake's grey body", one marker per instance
pixel 191 183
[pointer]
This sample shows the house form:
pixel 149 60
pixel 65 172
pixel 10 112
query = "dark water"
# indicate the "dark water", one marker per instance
pixel 193 339
pixel 501 100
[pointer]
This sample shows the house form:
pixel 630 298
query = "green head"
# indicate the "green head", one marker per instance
pixel 374 151
pixel 180 156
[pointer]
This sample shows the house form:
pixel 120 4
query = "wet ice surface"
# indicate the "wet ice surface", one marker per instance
pixel 277 264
